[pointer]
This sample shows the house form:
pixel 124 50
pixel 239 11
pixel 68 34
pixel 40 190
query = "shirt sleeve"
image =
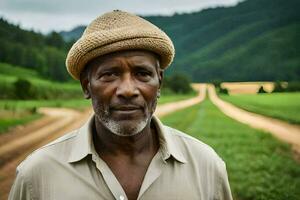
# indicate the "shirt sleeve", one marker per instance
pixel 224 187
pixel 20 189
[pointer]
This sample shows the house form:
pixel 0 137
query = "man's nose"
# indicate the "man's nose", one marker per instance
pixel 127 88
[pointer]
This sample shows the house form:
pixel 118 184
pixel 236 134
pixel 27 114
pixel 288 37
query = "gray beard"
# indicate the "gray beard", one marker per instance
pixel 117 127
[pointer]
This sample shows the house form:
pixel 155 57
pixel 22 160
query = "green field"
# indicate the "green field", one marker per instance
pixel 175 97
pixel 40 87
pixel 284 106
pixel 6 123
pixel 259 166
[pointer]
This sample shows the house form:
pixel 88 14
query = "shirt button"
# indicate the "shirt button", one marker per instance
pixel 122 197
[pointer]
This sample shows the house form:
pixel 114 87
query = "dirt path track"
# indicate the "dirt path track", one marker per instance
pixel 61 117
pixel 19 143
pixel 168 108
pixel 282 130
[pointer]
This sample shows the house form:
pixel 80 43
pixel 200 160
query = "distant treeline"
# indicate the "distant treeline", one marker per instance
pixel 44 54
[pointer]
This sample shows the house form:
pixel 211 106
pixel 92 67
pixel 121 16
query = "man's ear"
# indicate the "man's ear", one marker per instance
pixel 160 77
pixel 85 85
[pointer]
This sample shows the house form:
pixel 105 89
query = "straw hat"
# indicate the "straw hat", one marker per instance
pixel 117 31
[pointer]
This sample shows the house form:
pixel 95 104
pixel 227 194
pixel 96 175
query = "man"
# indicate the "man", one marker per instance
pixel 123 151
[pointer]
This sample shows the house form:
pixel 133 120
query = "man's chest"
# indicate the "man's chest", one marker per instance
pixel 130 179
pixel 105 186
pixel 97 181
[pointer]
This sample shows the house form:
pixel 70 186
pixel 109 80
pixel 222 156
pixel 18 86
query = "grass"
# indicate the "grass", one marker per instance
pixel 7 123
pixel 11 70
pixel 19 105
pixel 41 88
pixel 175 97
pixel 284 106
pixel 259 166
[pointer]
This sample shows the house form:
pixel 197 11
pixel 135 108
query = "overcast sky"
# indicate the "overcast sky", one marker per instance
pixel 47 15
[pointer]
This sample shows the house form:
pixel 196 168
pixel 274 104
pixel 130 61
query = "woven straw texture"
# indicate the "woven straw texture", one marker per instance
pixel 117 31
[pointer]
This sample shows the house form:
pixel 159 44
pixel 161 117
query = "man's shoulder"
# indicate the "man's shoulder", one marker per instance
pixel 192 147
pixel 44 157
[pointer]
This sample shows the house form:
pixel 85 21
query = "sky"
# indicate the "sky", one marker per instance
pixel 48 15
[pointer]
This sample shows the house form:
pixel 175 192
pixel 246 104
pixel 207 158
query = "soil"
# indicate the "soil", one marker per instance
pixel 171 107
pixel 247 87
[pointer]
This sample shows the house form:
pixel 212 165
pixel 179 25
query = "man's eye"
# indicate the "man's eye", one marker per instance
pixel 143 75
pixel 108 76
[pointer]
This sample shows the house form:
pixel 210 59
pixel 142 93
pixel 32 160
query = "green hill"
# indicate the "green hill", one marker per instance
pixel 73 34
pixel 39 87
pixel 257 40
pixel 44 54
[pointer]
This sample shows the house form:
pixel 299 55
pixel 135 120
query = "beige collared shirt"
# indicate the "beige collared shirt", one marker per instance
pixel 70 169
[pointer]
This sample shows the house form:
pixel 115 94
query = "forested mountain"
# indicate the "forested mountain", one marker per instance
pixel 28 49
pixel 73 34
pixel 257 40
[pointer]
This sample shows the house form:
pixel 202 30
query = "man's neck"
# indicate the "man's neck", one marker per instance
pixel 107 142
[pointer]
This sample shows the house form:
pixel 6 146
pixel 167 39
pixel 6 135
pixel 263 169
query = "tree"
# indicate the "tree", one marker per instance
pixel 223 91
pixel 55 39
pixel 179 83
pixel 261 90
pixel 23 89
pixel 293 86
pixel 278 87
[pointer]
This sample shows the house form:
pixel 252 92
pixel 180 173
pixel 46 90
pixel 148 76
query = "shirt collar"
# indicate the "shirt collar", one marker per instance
pixel 168 145
pixel 83 144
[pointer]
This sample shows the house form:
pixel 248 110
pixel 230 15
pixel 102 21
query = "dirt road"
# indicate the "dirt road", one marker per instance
pixel 282 130
pixel 19 143
pixel 165 109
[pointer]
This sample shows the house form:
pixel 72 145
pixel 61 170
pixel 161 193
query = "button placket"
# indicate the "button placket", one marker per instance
pixel 110 179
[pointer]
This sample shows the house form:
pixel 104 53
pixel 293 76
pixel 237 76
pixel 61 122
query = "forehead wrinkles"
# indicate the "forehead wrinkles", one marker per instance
pixel 139 60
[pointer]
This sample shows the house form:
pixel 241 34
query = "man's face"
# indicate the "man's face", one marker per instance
pixel 124 87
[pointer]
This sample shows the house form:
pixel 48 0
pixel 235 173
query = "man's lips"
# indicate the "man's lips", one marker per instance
pixel 126 109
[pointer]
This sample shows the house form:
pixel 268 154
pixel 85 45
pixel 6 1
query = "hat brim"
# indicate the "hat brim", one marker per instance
pixel 81 53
